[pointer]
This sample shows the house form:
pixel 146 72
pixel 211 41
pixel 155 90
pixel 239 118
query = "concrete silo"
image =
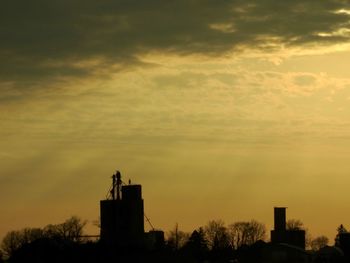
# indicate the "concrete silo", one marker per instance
pixel 121 215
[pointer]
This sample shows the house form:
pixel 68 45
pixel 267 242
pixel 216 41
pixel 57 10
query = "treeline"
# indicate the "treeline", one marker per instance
pixel 243 240
pixel 243 233
pixel 215 235
pixel 213 242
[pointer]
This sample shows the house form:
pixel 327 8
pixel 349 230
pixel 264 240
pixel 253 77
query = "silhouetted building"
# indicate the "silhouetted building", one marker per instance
pixel 122 214
pixel 329 254
pixel 284 253
pixel 154 239
pixel 282 235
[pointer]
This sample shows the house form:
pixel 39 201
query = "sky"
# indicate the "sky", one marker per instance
pixel 221 109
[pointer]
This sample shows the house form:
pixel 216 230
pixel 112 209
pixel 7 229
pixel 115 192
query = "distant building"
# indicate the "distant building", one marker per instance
pixel 329 254
pixel 122 217
pixel 154 239
pixel 284 253
pixel 281 234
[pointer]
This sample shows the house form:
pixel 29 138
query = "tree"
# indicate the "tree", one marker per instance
pixel 13 240
pixel 97 222
pixel 308 238
pixel 294 224
pixel 319 242
pixel 71 229
pixel 216 234
pixel 197 239
pixel 341 230
pixel 256 231
pixel 52 231
pixel 197 244
pixel 177 238
pixel 245 233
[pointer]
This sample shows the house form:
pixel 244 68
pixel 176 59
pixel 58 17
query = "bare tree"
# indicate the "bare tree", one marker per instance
pixel 294 224
pixel 13 240
pixel 257 231
pixel 308 238
pixel 52 231
pixel 177 238
pixel 319 242
pixel 246 233
pixel 71 229
pixel 216 234
pixel 97 222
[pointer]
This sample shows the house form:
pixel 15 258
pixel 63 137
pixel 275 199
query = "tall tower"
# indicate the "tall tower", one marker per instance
pixel 280 218
pixel 133 213
pixel 121 214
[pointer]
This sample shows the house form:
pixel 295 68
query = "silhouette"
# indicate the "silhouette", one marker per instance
pixel 197 245
pixel 177 238
pixel 319 242
pixel 281 234
pixel 246 233
pixel 69 231
pixel 121 215
pixel 342 241
pixel 123 239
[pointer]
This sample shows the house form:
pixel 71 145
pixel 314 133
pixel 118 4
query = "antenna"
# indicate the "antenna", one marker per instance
pixel 119 183
pixel 115 189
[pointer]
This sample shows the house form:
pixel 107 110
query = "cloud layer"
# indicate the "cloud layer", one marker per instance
pixel 41 40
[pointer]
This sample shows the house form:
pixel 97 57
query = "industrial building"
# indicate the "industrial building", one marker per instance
pixel 122 217
pixel 280 234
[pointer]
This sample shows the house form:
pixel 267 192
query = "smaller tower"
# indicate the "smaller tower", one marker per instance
pixel 280 218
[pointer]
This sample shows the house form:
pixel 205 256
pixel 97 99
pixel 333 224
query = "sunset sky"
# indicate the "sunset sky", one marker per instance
pixel 221 109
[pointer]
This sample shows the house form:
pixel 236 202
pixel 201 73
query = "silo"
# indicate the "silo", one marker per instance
pixel 122 222
pixel 111 221
pixel 133 213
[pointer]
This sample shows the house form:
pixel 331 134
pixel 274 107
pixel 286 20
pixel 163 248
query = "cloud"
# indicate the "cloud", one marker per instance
pixel 304 80
pixel 43 40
